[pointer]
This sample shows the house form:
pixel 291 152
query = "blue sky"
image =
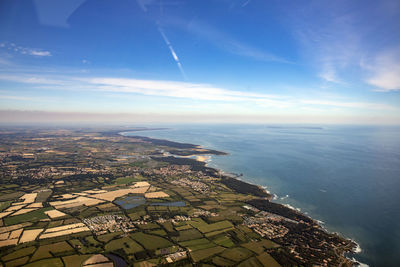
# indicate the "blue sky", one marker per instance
pixel 219 61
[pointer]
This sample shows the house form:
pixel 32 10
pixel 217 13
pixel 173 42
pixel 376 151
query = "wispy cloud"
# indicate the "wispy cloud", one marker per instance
pixel 384 71
pixel 361 105
pixel 12 47
pixel 329 74
pixel 39 53
pixel 186 90
pixel 224 41
pixel 328 38
pixel 336 36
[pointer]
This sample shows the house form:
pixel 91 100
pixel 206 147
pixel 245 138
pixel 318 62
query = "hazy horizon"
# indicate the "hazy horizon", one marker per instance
pixel 12 117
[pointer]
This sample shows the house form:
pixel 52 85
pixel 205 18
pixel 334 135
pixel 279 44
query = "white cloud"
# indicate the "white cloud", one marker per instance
pixel 385 71
pixel 205 93
pixel 25 50
pixel 178 89
pixel 39 53
pixel 328 73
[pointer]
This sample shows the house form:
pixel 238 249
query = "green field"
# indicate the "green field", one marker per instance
pixel 197 244
pixel 54 262
pixel 4 205
pixel 107 237
pixel 150 241
pixel 159 232
pixel 205 253
pixel 75 260
pixel 252 262
pixel 18 262
pixel 267 260
pixel 125 243
pixel 207 228
pixel 46 251
pixel 219 261
pixel 82 248
pixel 260 246
pixel 188 235
pixel 237 254
pixel 224 241
pixel 43 195
pixel 19 253
pixel 125 180
pixel 32 216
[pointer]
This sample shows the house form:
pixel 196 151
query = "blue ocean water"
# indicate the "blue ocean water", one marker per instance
pixel 346 176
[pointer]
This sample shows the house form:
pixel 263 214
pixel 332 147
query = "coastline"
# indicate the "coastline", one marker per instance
pixel 352 248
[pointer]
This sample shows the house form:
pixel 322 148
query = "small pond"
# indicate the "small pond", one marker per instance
pixel 131 202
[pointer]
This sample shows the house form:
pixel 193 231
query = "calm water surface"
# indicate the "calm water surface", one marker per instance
pixel 347 177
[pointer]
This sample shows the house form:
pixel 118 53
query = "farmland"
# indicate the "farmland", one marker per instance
pixel 81 197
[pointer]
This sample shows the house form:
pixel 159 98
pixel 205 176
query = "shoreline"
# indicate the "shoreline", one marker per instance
pixel 355 247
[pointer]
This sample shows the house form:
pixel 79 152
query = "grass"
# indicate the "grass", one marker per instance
pixel 125 243
pixel 205 253
pixel 32 216
pixel 267 260
pixel 18 262
pixel 150 241
pixel 54 262
pixel 269 244
pixel 207 228
pixel 252 262
pixel 125 180
pixel 237 254
pixel 84 249
pixel 75 260
pixel 197 244
pixel 224 241
pixel 56 248
pixel 211 234
pixel 168 226
pixel 260 246
pixel 43 196
pixel 256 247
pixel 107 237
pixel 159 232
pixel 92 241
pixel 19 253
pixel 10 196
pixel 188 235
pixel 219 261
pixel 183 227
pixel 4 205
pixel 55 223
pixel 148 226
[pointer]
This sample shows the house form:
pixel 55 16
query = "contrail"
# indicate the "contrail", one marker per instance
pixel 168 43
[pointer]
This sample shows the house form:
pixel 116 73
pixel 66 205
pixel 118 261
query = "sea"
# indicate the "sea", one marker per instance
pixel 346 177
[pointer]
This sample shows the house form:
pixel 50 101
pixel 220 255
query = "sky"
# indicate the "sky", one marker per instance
pixel 200 61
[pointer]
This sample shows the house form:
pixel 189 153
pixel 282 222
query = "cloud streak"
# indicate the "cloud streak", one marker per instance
pixel 224 41
pixel 186 90
pixel 25 50
pixel 171 49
